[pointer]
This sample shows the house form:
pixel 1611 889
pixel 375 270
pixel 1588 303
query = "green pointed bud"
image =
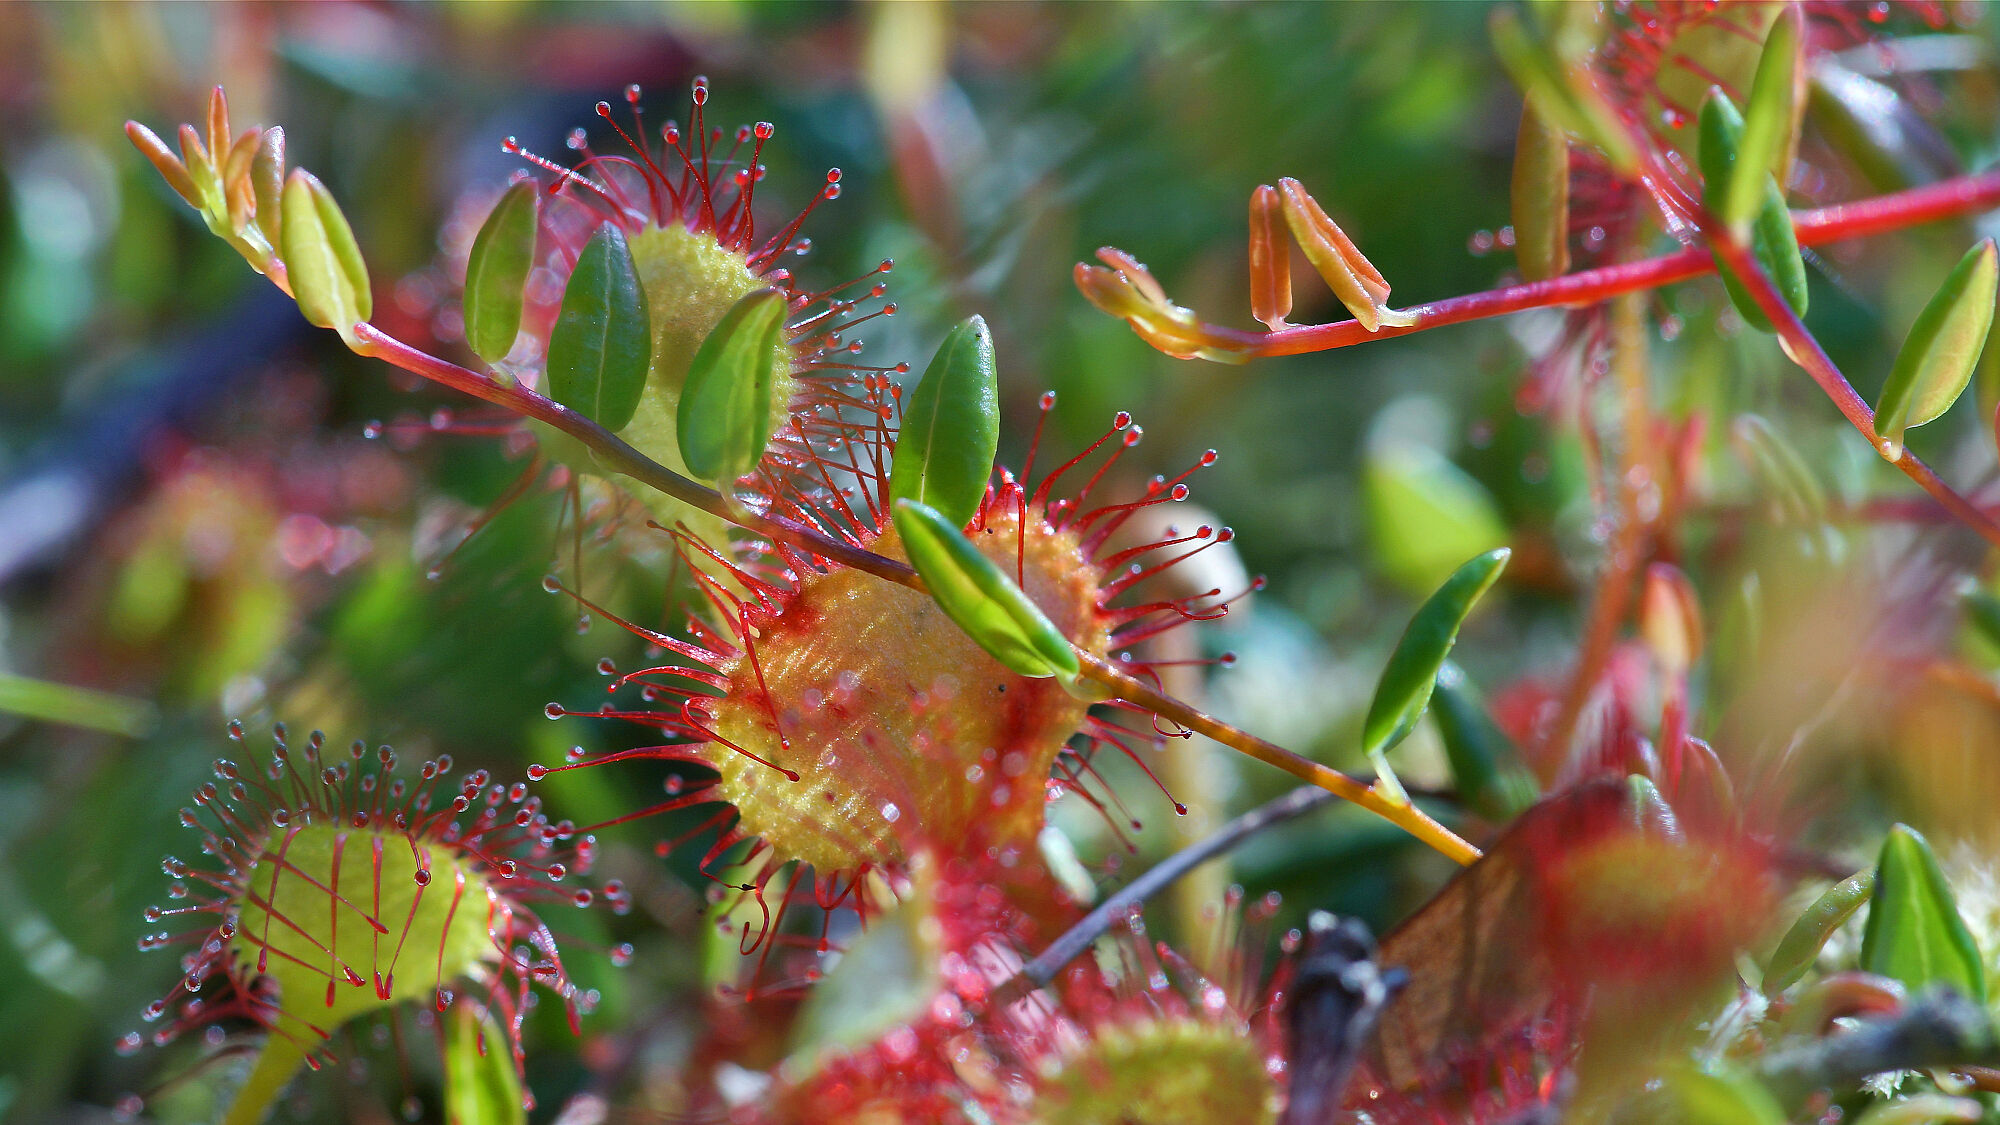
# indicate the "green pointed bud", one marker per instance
pixel 1914 932
pixel 496 272
pixel 1943 347
pixel 1486 767
pixel 1800 946
pixel 602 342
pixel 1404 691
pixel 267 183
pixel 170 167
pixel 322 261
pixel 1773 241
pixel 951 427
pixel 724 417
pixel 207 177
pixel 1767 122
pixel 1564 91
pixel 982 600
pixel 482 1084
pixel 1540 194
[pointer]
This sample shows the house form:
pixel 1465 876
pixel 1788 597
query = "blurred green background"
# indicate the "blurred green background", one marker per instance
pixel 193 519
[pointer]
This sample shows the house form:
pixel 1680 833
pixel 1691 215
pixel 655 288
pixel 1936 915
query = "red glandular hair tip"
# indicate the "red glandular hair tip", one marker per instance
pixel 847 717
pixel 494 850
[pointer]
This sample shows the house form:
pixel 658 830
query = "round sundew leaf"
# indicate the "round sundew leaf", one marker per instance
pixel 951 427
pixel 1405 688
pixel 496 273
pixel 1767 120
pixel 1540 194
pixel 1486 768
pixel 602 342
pixel 1773 240
pixel 981 599
pixel 1800 946
pixel 481 1085
pixel 1943 347
pixel 1914 931
pixel 322 261
pixel 724 416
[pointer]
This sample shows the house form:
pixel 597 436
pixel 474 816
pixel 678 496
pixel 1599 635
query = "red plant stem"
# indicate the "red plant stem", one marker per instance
pixel 614 454
pixel 1958 196
pixel 1631 540
pixel 1803 349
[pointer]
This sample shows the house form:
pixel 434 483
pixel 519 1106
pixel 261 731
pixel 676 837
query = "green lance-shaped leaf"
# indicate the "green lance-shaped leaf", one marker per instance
pixel 1404 690
pixel 1982 614
pixel 1564 91
pixel 984 602
pixel 951 427
pixel 267 183
pixel 481 1084
pixel 1914 931
pixel 725 409
pixel 1727 1098
pixel 322 260
pixel 1773 241
pixel 497 272
pixel 1941 350
pixel 1486 768
pixel 602 342
pixel 1923 1109
pixel 1800 946
pixel 1785 474
pixel 1767 122
pixel 1540 194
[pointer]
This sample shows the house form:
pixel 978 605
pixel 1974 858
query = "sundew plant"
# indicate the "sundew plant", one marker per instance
pixel 1000 564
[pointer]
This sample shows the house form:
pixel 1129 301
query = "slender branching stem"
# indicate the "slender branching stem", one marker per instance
pixel 614 455
pixel 1403 814
pixel 617 456
pixel 1891 212
pixel 1631 541
pixel 1120 905
pixel 1799 344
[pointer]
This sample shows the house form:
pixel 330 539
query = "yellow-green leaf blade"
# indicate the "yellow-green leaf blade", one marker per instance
pixel 1404 690
pixel 1938 356
pixel 1540 194
pixel 1773 240
pixel 951 427
pixel 496 272
pixel 602 342
pixel 267 183
pixel 1800 946
pixel 1486 767
pixel 982 600
pixel 322 261
pixel 1566 92
pixel 1914 932
pixel 1774 94
pixel 481 1085
pixel 724 417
